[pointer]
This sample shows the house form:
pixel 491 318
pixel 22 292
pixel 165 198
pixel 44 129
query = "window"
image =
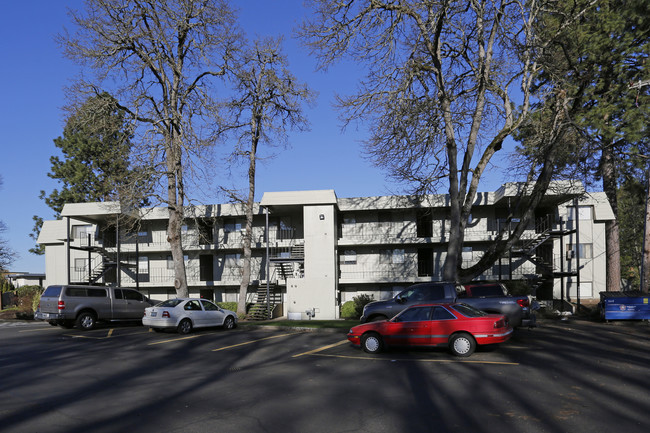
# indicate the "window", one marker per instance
pixel 441 313
pixel 584 251
pixel 97 293
pixel 233 260
pixel 143 265
pixel 398 256
pixel 231 226
pixel 349 257
pixel 82 231
pixel 80 265
pixel 209 306
pixel 584 213
pixel 193 306
pixel 206 267
pixel 132 295
pixel 417 314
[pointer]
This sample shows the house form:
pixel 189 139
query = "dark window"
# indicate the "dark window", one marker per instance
pixel 52 292
pixel 209 306
pixel 424 224
pixel 430 293
pixel 206 268
pixel 441 313
pixel 97 293
pixel 425 262
pixel 75 291
pixel 118 294
pixel 193 306
pixel 206 232
pixel 132 295
pixel 417 314
pixel 485 290
pixel 469 311
pixel 170 303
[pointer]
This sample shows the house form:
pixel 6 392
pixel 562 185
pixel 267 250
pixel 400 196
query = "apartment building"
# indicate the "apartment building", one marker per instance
pixel 313 251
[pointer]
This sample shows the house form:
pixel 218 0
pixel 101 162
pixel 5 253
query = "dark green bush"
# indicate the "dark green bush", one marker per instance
pixel 360 302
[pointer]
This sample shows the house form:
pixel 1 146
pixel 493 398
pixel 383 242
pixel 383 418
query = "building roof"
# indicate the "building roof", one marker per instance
pixel 293 198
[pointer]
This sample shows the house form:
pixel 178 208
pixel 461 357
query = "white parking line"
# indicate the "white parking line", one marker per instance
pixel 311 352
pixel 254 341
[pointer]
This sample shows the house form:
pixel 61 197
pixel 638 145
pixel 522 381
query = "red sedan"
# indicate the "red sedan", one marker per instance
pixel 458 326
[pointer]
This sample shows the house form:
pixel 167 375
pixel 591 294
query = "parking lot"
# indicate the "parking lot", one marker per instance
pixel 562 376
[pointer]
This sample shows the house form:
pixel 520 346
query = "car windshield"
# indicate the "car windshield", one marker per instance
pixel 468 310
pixel 170 303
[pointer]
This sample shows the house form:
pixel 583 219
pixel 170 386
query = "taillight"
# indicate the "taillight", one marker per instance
pixel 61 305
pixel 165 314
pixel 523 302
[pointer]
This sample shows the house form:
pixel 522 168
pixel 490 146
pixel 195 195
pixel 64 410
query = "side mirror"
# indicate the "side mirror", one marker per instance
pixel 400 299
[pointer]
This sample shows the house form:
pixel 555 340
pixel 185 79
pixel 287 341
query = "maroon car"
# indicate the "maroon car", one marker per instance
pixel 460 327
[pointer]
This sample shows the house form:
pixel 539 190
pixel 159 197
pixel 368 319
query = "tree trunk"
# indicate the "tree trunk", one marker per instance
pixel 645 265
pixel 248 236
pixel 611 228
pixel 176 203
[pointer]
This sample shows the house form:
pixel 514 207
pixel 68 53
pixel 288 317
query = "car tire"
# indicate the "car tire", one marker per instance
pixel 86 321
pixel 229 323
pixel 185 327
pixel 462 344
pixel 372 342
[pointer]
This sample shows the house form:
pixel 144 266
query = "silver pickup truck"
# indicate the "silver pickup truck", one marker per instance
pixel 84 306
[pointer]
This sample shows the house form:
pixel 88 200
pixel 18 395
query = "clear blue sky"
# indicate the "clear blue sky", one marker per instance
pixel 33 77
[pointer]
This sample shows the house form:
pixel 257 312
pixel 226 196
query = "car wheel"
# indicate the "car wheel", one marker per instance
pixel 86 321
pixel 229 323
pixel 372 342
pixel 462 344
pixel 185 327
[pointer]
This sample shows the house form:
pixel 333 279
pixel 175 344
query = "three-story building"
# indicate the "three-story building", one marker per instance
pixel 313 251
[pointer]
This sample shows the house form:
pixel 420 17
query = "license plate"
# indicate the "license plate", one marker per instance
pixel 153 314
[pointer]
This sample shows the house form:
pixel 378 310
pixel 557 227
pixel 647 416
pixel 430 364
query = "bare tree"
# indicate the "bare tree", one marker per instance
pixel 7 255
pixel 160 60
pixel 267 103
pixel 441 93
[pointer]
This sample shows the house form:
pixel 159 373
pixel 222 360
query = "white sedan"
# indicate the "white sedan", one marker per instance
pixel 184 314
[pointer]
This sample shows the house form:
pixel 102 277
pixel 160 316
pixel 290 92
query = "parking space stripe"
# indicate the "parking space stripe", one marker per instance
pixel 254 341
pixel 173 339
pixel 50 328
pixel 372 358
pixel 311 352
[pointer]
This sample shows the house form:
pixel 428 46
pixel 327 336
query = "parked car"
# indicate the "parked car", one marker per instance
pixel 516 308
pixel 84 306
pixel 460 327
pixel 185 314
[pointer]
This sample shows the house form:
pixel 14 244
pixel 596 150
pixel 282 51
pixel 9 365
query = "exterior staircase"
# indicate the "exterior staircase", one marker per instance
pixel 262 308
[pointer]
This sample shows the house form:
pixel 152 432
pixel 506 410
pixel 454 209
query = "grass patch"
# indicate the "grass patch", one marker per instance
pixel 316 324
